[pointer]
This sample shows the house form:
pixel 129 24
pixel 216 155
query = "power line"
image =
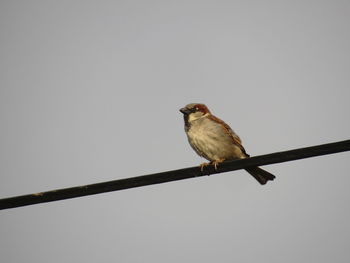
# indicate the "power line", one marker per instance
pixel 181 174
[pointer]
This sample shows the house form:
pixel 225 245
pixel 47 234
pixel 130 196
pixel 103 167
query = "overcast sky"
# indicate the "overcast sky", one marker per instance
pixel 90 92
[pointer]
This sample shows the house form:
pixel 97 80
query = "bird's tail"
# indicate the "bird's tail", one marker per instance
pixel 260 175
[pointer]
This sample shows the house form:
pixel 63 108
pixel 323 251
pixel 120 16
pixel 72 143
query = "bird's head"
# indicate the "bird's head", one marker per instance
pixel 194 111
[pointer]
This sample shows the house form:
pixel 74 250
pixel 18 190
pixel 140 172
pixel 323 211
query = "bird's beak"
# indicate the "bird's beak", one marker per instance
pixel 185 111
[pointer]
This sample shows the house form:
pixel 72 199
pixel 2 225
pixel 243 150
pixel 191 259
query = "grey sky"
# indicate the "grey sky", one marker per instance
pixel 90 92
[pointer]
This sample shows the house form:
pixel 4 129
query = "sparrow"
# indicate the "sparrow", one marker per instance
pixel 214 140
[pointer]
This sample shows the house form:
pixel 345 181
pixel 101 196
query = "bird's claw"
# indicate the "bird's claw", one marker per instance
pixel 215 163
pixel 202 165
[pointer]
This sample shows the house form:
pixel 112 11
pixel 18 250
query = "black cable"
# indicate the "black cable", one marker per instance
pixel 163 177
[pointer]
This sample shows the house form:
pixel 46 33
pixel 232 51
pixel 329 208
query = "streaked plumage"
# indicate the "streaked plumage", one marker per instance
pixel 214 140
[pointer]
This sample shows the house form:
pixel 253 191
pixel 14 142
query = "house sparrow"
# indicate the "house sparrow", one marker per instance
pixel 214 140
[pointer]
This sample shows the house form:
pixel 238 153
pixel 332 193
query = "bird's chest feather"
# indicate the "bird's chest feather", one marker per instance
pixel 211 141
pixel 208 140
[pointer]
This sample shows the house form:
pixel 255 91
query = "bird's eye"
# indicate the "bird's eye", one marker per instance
pixel 196 108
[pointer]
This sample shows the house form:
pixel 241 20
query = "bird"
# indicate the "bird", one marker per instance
pixel 214 140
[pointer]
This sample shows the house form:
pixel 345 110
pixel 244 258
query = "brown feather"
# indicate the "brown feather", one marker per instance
pixel 235 138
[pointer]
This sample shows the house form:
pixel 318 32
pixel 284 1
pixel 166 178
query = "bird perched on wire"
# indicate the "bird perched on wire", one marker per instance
pixel 214 140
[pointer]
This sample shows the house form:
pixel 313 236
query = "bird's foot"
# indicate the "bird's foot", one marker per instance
pixel 216 163
pixel 202 165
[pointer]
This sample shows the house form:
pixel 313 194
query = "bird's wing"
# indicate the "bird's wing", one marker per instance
pixel 235 138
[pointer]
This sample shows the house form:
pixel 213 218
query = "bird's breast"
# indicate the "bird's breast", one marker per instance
pixel 211 141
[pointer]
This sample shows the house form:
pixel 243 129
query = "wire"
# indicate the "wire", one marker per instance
pixel 181 174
